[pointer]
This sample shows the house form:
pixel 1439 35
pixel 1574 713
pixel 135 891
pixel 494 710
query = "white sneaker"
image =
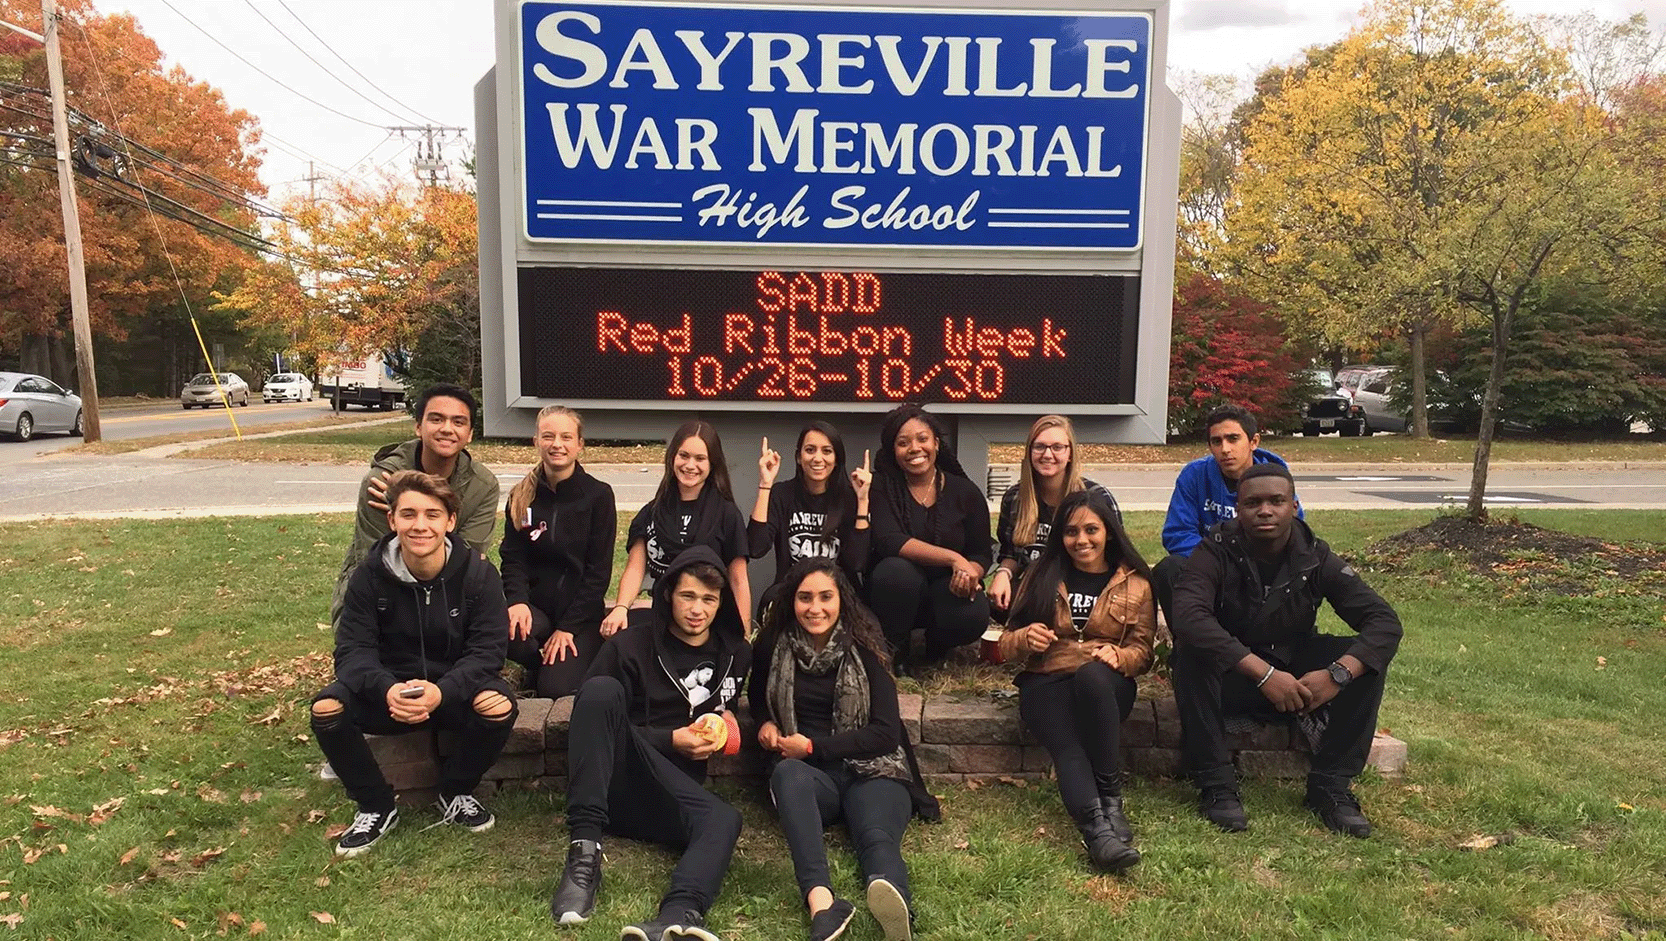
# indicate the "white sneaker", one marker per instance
pixel 327 773
pixel 890 909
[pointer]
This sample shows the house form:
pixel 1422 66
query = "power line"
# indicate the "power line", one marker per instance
pixel 262 71
pixel 322 67
pixel 350 65
pixel 297 149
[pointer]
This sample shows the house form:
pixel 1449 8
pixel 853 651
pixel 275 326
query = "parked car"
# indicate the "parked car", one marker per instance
pixel 201 390
pixel 1335 411
pixel 31 404
pixel 287 387
pixel 1372 396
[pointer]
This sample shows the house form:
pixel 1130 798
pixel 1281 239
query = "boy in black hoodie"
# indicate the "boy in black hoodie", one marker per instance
pixel 635 762
pixel 421 640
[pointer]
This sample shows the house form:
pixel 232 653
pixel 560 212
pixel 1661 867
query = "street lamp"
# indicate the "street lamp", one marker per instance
pixel 72 220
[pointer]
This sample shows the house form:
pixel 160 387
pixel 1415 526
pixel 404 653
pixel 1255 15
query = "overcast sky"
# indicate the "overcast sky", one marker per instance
pixel 428 54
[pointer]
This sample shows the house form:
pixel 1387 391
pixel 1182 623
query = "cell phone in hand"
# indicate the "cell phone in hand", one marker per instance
pixel 411 692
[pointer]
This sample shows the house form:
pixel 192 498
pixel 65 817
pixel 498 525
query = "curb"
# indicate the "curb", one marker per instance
pixel 169 450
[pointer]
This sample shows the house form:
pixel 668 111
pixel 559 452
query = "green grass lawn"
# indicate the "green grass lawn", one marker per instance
pixel 154 775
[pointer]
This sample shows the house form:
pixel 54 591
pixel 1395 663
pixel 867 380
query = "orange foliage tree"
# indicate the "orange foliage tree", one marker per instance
pixel 115 77
pixel 388 266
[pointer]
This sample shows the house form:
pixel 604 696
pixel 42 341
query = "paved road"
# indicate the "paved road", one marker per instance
pixel 133 486
pixel 149 420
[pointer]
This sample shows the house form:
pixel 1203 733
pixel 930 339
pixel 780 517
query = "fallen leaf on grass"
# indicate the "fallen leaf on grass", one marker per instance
pixel 129 856
pixel 162 632
pixel 313 816
pixel 106 810
pixel 211 795
pixel 1625 806
pixel 1486 841
pixel 248 796
pixel 334 831
pixel 322 881
pixel 271 718
pixel 962 844
pixel 158 791
pixel 12 921
pixel 257 927
pixel 177 923
pixel 228 921
pixel 207 856
pixel 324 918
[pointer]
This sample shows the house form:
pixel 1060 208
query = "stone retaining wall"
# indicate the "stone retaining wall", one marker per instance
pixel 955 741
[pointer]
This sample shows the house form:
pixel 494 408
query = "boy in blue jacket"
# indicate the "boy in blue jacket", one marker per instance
pixel 1206 492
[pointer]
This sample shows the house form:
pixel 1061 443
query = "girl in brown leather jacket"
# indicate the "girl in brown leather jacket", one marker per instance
pixel 1082 622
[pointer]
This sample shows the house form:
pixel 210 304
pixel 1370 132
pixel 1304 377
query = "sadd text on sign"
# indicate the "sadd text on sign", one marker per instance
pixel 700 123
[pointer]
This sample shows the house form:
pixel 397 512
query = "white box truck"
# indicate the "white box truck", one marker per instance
pixel 368 382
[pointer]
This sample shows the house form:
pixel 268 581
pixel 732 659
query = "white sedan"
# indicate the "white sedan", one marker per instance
pixel 287 387
pixel 32 404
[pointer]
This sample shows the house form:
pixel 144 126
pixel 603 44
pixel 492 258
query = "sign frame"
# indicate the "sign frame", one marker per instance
pixel 504 247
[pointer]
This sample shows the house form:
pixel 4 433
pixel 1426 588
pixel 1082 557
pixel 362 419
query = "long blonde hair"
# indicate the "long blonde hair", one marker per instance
pixel 527 488
pixel 1023 528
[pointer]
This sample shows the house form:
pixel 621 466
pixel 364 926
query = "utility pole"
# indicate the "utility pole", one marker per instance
pixel 72 229
pixel 311 180
pixel 429 159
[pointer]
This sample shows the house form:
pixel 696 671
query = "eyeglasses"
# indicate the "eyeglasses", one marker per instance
pixel 1039 448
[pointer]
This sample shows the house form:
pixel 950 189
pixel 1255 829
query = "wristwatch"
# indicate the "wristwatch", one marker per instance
pixel 1339 674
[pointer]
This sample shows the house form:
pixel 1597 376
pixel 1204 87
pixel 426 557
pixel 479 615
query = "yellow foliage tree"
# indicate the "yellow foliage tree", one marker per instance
pixel 1440 163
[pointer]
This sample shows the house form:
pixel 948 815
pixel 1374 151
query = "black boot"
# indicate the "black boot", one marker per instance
pixel 1106 850
pixel 1110 800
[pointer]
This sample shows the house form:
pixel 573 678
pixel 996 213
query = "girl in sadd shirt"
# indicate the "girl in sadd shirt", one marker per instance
pixel 693 507
pixel 1049 473
pixel 821 513
pixel 1082 625
pixel 826 712
pixel 931 536
pixel 557 558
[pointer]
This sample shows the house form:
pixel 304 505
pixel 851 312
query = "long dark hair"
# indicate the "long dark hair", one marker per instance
pixel 889 476
pixel 842 495
pixel 1041 581
pixel 861 623
pixel 667 497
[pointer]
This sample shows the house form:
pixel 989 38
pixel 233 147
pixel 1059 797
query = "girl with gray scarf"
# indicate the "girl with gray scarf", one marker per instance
pixel 826 710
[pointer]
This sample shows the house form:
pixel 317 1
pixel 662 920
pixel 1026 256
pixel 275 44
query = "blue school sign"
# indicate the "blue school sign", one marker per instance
pixel 718 124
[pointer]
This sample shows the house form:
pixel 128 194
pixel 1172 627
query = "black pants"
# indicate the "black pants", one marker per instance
pixel 1078 718
pixel 479 741
pixel 904 596
pixel 561 678
pixel 1164 576
pixel 874 810
pixel 1206 696
pixel 618 783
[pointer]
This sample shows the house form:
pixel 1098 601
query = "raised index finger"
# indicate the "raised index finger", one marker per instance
pixel 867 460
pixel 765 448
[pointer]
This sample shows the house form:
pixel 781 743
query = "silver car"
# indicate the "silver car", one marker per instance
pixel 32 404
pixel 201 390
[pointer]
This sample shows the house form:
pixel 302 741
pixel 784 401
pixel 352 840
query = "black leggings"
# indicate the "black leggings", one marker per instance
pixel 618 783
pixel 561 678
pixel 904 596
pixel 341 737
pixel 874 810
pixel 1078 718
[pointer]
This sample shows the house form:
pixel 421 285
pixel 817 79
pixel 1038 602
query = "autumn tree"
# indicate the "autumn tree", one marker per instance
pixel 1227 348
pixel 195 155
pixel 1440 165
pixel 386 266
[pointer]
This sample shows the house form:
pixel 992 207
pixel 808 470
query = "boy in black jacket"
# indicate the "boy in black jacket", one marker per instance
pixel 636 762
pixel 1246 642
pixel 420 640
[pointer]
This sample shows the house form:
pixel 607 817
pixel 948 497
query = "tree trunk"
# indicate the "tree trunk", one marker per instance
pixel 1501 323
pixel 1419 381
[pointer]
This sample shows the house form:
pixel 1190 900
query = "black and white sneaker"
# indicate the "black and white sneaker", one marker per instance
pixel 575 897
pixel 365 830
pixel 466 812
pixel 890 909
pixel 832 921
pixel 669 927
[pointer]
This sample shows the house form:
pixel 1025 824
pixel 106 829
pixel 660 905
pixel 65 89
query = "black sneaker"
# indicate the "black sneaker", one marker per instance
pixel 1221 806
pixel 365 830
pixel 832 921
pixel 466 812
pixel 669 927
pixel 575 897
pixel 1338 809
pixel 890 909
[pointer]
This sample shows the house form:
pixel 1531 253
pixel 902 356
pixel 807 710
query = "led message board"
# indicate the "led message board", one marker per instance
pixel 832 125
pixel 778 336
